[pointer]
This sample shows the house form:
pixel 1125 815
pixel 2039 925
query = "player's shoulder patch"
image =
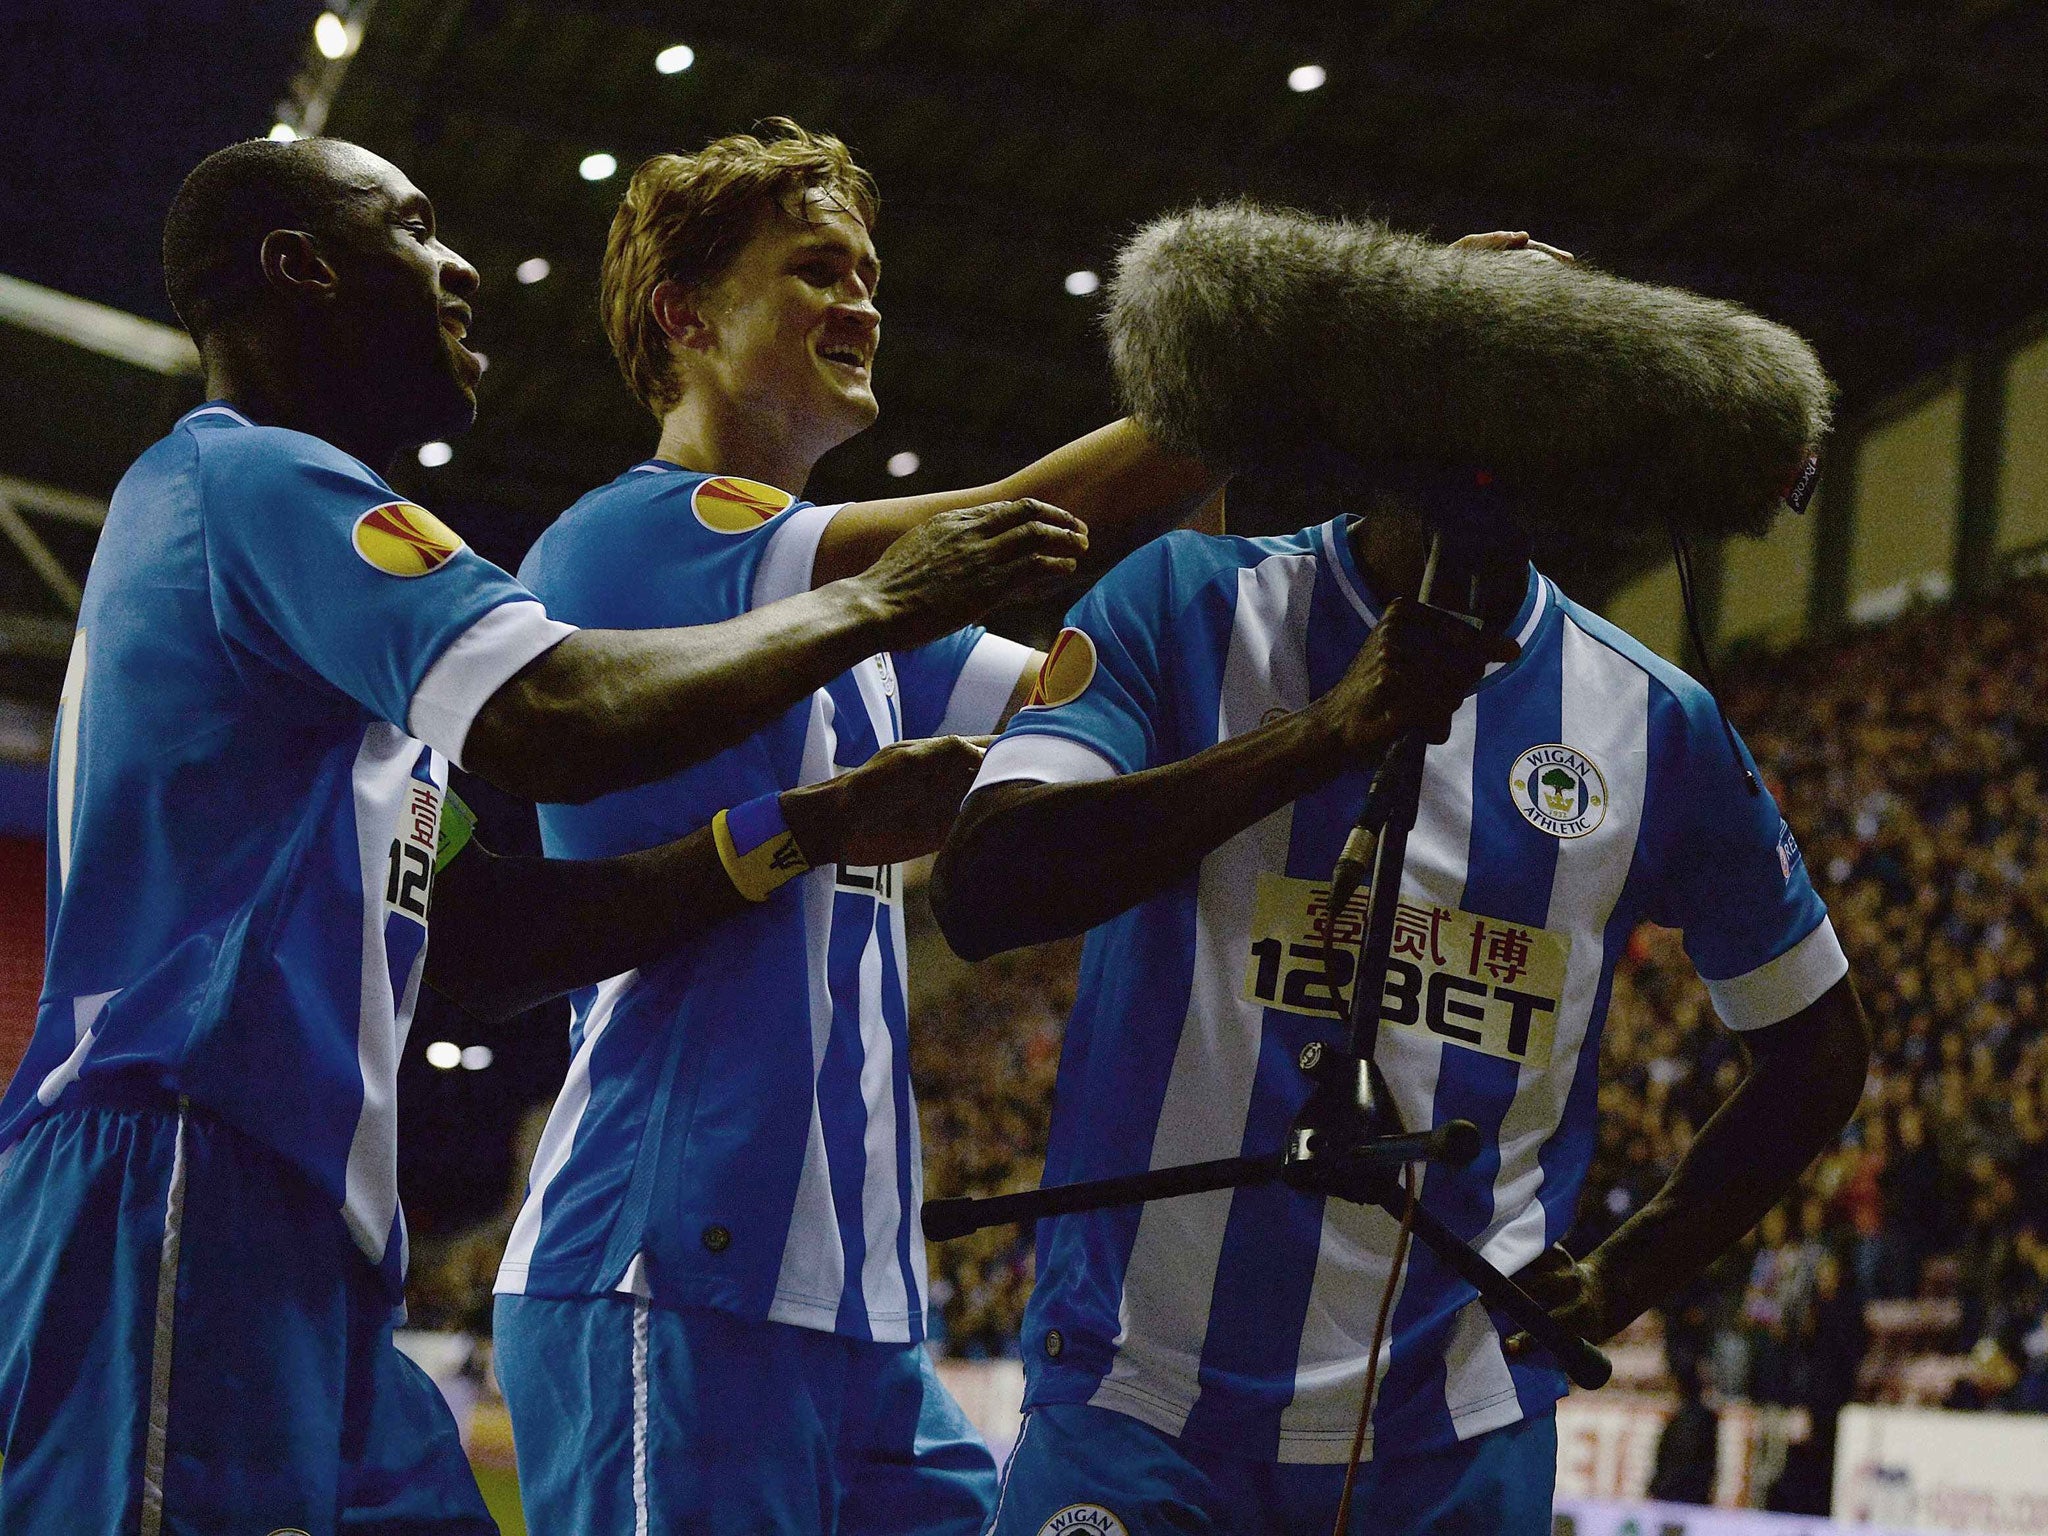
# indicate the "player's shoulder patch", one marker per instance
pixel 1066 672
pixel 401 539
pixel 1083 1520
pixel 728 504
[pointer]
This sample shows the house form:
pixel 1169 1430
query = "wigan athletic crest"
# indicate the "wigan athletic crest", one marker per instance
pixel 1559 790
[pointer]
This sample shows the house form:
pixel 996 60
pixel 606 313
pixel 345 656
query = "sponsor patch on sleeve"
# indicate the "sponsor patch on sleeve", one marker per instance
pixel 1066 672
pixel 1788 850
pixel 401 539
pixel 728 504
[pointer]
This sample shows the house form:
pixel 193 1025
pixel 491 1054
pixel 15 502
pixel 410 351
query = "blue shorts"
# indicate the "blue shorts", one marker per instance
pixel 632 1417
pixel 190 1343
pixel 1082 1471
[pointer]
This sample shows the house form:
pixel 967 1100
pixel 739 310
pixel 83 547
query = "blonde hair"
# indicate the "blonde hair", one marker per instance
pixel 685 217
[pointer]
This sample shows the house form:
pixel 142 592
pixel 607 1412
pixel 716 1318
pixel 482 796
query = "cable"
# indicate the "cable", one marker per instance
pixel 1681 557
pixel 1372 1361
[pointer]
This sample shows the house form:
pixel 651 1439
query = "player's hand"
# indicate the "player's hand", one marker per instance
pixel 1572 1291
pixel 1510 240
pixel 1410 675
pixel 897 805
pixel 954 567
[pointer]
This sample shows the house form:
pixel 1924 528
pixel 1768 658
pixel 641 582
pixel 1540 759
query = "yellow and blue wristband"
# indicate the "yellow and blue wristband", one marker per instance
pixel 756 847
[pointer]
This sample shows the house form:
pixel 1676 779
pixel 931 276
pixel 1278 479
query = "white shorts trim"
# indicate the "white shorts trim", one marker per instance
pixel 157 1435
pixel 479 662
pixel 1779 988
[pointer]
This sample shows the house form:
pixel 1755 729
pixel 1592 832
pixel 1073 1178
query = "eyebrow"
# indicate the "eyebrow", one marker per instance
pixel 825 245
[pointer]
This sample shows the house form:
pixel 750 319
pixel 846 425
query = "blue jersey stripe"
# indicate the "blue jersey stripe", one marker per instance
pixel 841 1109
pixel 897 1015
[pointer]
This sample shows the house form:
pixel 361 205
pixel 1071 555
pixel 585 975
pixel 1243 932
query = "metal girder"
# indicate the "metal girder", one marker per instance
pixel 41 559
pixel 35 635
pixel 50 501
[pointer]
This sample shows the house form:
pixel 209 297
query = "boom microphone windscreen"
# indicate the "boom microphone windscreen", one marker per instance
pixel 1614 410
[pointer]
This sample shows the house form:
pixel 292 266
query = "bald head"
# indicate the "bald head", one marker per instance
pixel 213 237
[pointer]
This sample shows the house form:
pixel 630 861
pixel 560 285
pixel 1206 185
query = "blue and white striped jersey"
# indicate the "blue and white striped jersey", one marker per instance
pixel 737 1128
pixel 276 657
pixel 1585 787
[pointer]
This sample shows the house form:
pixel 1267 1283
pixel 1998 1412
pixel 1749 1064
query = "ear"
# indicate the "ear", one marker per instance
pixel 677 312
pixel 292 264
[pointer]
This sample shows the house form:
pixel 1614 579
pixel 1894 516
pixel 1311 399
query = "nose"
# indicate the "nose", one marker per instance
pixel 458 277
pixel 860 312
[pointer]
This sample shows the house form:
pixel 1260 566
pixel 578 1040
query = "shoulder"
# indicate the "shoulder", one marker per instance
pixel 1670 686
pixel 1171 573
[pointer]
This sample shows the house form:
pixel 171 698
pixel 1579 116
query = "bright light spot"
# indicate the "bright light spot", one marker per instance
pixel 1081 284
pixel 434 455
pixel 476 1057
pixel 1306 77
pixel 598 167
pixel 283 133
pixel 532 270
pixel 904 463
pixel 673 61
pixel 445 1054
pixel 330 36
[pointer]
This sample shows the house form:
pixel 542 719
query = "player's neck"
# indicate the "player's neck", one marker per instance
pixel 271 390
pixel 1392 549
pixel 704 434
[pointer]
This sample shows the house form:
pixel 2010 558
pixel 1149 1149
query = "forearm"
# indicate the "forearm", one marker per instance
pixel 511 933
pixel 1788 1108
pixel 607 709
pixel 1116 479
pixel 1031 862
pixel 1122 484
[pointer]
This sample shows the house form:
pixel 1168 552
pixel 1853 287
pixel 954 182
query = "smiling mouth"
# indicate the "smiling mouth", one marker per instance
pixel 846 357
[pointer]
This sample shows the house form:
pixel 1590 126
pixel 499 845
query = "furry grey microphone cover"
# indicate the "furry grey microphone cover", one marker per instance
pixel 1610 409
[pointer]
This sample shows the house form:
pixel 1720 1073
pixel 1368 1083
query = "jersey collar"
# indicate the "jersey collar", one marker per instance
pixel 218 412
pixel 1537 603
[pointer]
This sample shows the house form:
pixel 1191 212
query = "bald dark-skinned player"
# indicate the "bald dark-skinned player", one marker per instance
pixel 277 659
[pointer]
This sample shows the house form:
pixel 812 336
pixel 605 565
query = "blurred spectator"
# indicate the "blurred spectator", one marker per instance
pixel 1688 1446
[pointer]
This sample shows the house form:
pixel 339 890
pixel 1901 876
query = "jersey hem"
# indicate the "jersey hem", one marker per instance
pixel 1230 1433
pixel 548 1282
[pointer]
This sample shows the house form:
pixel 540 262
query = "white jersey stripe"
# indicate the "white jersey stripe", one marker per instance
pixel 559 1138
pixel 1357 1242
pixel 1172 1269
pixel 1605 714
pixel 813 1271
pixel 157 1436
pixel 881 1272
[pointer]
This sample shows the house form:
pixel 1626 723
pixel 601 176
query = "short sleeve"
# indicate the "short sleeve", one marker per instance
pixel 960 685
pixel 1101 684
pixel 1754 927
pixel 317 565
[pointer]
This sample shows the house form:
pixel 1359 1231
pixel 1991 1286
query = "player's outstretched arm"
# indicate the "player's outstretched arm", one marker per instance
pixel 1031 862
pixel 511 933
pixel 1124 486
pixel 1805 1077
pixel 608 709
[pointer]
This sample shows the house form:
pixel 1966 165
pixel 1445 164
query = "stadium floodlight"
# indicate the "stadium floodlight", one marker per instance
pixel 532 270
pixel 283 133
pixel 332 37
pixel 444 1054
pixel 1082 283
pixel 903 464
pixel 434 455
pixel 1306 77
pixel 673 61
pixel 476 1057
pixel 597 167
